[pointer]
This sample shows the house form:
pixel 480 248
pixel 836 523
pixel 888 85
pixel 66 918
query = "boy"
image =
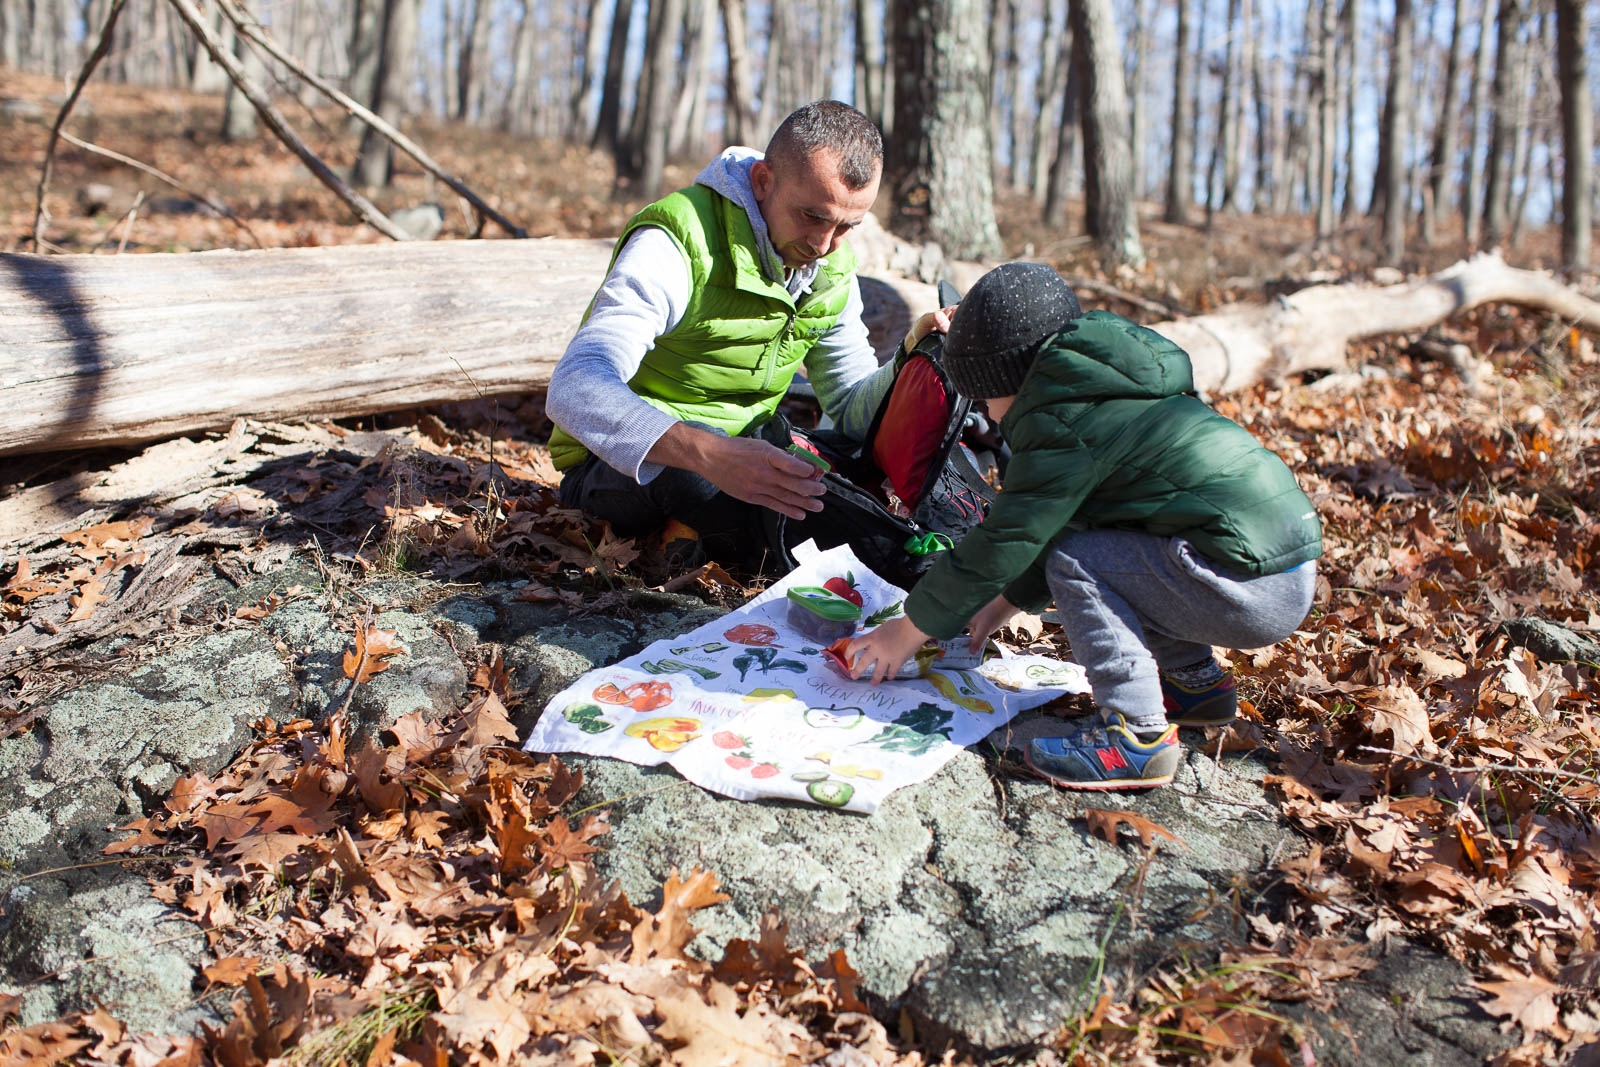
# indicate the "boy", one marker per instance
pixel 1159 527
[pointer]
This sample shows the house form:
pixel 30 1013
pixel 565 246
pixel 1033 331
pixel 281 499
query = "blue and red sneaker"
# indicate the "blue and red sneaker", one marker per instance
pixel 1214 705
pixel 1104 754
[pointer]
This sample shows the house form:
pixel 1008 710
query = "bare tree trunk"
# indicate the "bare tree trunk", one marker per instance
pixel 1049 92
pixel 1284 139
pixel 657 84
pixel 871 69
pixel 1441 157
pixel 1268 103
pixel 1065 163
pixel 939 161
pixel 689 119
pixel 474 71
pixel 1505 116
pixel 521 103
pixel 450 59
pixel 1021 115
pixel 11 32
pixel 593 56
pixel 374 164
pixel 1223 171
pixel 238 116
pixel 1538 107
pixel 779 41
pixel 608 127
pixel 1472 211
pixel 1322 74
pixel 1397 136
pixel 1139 45
pixel 1004 65
pixel 738 93
pixel 204 75
pixel 1107 164
pixel 1577 134
pixel 1180 179
pixel 1201 68
pixel 1350 82
pixel 366 55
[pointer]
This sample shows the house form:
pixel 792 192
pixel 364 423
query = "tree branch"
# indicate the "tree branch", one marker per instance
pixel 280 126
pixel 215 205
pixel 251 29
pixel 102 46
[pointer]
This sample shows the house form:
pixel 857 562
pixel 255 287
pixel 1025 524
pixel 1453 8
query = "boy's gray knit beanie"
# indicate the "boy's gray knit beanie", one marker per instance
pixel 996 330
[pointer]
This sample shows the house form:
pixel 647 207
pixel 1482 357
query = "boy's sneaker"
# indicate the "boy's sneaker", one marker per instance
pixel 1104 754
pixel 1214 705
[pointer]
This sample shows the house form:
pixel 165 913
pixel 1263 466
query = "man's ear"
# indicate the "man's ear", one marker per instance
pixel 760 180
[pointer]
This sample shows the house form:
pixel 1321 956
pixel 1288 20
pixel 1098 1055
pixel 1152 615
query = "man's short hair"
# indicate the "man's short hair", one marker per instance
pixel 836 127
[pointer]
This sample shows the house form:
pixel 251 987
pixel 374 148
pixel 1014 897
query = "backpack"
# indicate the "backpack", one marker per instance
pixel 907 492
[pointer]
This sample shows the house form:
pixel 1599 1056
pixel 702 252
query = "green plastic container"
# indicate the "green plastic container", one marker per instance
pixel 821 614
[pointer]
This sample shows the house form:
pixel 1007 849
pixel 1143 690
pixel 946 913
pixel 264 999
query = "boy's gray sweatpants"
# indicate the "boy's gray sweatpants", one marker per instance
pixel 1132 603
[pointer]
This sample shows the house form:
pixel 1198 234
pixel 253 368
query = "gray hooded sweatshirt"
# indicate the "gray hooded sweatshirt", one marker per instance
pixel 645 295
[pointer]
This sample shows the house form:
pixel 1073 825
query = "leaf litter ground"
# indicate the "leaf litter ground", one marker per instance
pixel 433 900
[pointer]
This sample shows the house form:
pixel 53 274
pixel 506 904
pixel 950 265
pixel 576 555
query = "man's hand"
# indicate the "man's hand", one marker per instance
pixel 989 618
pixel 744 468
pixel 884 649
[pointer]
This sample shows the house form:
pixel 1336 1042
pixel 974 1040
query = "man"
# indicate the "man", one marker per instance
pixel 716 295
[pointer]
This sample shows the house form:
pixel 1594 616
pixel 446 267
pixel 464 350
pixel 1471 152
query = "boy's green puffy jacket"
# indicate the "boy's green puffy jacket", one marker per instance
pixel 1104 434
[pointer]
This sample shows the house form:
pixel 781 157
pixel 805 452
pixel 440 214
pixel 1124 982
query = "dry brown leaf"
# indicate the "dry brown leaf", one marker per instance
pixel 1105 823
pixel 89 596
pixel 668 932
pixel 1398 711
pixel 231 970
pixel 1527 1001
pixel 371 651
pixel 715 1034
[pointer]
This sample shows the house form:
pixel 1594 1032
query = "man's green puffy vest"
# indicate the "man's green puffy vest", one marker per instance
pixel 729 359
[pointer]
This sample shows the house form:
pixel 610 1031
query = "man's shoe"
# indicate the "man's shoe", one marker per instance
pixel 1104 754
pixel 1214 705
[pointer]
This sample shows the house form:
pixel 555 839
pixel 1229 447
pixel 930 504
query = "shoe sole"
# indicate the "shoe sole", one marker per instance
pixel 1199 723
pixel 1109 785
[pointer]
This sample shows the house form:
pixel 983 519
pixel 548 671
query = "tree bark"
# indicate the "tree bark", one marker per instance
pixel 740 119
pixel 1350 62
pixel 871 68
pixel 1504 119
pixel 1180 180
pixel 1473 165
pixel 659 76
pixel 1048 93
pixel 374 163
pixel 939 164
pixel 472 71
pixel 1224 171
pixel 1107 157
pixel 1577 134
pixel 608 127
pixel 1139 45
pixel 593 55
pixel 1397 135
pixel 688 115
pixel 1322 71
pixel 238 116
pixel 120 350
pixel 1442 152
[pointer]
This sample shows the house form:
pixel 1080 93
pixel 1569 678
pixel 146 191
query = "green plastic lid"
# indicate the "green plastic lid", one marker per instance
pixel 824 603
pixel 810 457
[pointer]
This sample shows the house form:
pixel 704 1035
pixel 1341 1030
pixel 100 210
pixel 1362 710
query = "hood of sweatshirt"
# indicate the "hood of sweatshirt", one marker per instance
pixel 729 175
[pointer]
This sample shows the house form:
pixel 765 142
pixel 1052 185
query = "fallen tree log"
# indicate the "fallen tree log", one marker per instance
pixel 103 350
pixel 1312 329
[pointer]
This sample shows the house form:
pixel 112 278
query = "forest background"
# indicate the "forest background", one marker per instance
pixel 1170 158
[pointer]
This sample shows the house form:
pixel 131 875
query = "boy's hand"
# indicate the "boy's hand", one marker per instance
pixel 926 324
pixel 989 618
pixel 884 649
